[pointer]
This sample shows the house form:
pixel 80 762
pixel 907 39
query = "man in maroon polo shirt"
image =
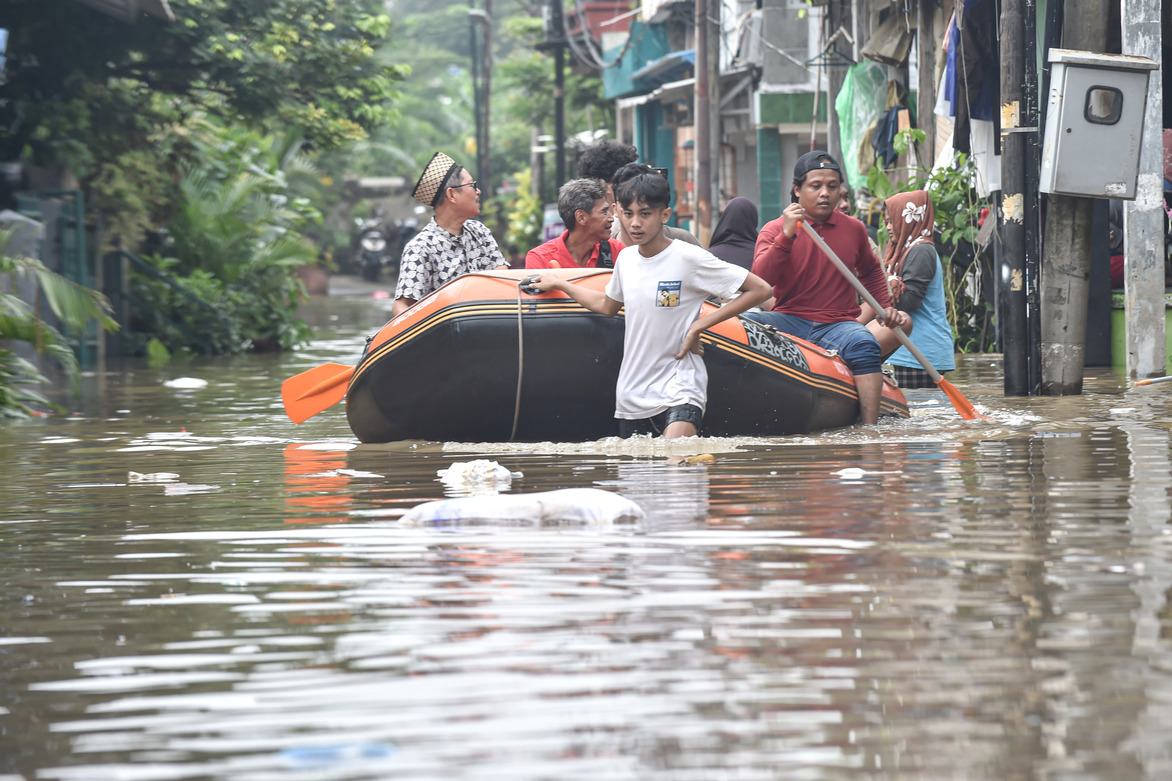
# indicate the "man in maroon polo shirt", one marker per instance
pixel 813 300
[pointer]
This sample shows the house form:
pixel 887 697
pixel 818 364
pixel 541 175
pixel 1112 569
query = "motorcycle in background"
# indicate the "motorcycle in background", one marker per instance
pixel 373 248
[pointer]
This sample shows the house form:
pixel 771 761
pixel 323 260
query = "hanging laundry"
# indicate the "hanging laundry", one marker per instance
pixel 883 139
pixel 974 86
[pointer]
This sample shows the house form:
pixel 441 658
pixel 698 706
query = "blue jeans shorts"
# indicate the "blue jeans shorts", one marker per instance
pixel 654 425
pixel 854 343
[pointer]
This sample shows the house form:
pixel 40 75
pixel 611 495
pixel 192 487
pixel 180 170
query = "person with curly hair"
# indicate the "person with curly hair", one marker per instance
pixel 603 159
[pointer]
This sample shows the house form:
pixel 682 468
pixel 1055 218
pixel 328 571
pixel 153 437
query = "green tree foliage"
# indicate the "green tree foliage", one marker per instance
pixel 75 307
pixel 436 106
pixel 304 63
pixel 111 101
pixel 524 216
pixel 232 243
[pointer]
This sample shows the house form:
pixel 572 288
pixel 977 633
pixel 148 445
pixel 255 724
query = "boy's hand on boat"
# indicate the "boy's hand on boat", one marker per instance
pixel 542 284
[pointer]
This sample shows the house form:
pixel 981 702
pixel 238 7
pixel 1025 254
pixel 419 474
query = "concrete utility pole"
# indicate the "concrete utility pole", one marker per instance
pixel 482 91
pixel 926 47
pixel 702 176
pixel 840 15
pixel 1033 166
pixel 1143 229
pixel 715 125
pixel 1066 258
pixel 478 116
pixel 486 92
pixel 1011 281
pixel 555 39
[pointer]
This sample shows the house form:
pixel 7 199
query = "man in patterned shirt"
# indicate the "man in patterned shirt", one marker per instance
pixel 452 243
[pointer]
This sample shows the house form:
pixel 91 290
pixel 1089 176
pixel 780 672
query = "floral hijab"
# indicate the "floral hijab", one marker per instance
pixel 911 218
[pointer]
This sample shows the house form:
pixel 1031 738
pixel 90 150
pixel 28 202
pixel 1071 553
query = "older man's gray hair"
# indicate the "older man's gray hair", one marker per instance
pixel 578 194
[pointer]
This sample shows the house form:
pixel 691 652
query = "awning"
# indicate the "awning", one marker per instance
pixel 671 66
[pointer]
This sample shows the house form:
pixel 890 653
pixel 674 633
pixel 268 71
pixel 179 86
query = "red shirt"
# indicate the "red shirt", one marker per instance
pixel 555 249
pixel 806 283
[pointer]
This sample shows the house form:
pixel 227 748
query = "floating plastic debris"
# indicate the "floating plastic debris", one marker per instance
pixel 851 473
pixel 480 473
pixel 152 477
pixel 186 383
pixel 181 489
pixel 580 505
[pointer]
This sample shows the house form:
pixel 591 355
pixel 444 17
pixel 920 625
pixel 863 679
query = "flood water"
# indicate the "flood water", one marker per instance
pixel 196 588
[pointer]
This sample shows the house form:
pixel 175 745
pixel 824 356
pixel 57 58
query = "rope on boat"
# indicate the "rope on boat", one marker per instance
pixel 520 363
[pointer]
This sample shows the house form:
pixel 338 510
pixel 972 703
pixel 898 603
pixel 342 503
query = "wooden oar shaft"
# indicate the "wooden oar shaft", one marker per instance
pixel 870 299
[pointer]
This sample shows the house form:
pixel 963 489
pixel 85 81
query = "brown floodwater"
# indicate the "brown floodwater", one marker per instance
pixel 195 588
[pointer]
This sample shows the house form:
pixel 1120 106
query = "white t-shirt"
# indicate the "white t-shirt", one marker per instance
pixel 662 297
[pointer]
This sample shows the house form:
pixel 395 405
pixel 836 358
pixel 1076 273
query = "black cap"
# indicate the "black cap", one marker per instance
pixel 813 161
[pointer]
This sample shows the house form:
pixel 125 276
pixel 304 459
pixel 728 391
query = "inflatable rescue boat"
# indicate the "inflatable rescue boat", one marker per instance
pixel 479 360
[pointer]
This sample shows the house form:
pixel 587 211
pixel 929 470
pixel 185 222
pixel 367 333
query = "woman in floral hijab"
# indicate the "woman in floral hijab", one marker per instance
pixel 917 287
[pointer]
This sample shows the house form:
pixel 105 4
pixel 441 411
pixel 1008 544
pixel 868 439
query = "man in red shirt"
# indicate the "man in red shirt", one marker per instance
pixel 813 300
pixel 586 242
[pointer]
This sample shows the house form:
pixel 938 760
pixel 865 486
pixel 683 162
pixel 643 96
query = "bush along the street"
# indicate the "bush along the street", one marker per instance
pixel 230 247
pixel 75 306
pixel 201 314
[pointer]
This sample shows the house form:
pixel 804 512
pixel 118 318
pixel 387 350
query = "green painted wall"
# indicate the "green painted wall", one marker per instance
pixel 769 173
pixel 790 108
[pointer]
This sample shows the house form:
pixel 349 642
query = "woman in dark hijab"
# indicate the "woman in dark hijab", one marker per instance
pixel 736 233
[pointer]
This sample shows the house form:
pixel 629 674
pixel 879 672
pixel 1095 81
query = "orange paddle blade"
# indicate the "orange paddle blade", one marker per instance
pixel 314 391
pixel 963 406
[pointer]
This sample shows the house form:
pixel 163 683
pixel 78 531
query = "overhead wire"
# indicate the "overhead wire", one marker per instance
pixel 585 52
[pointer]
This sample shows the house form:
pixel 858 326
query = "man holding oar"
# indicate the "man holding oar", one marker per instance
pixel 813 300
pixel 452 243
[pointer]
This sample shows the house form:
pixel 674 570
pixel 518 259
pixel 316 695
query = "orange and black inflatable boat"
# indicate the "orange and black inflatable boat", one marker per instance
pixel 480 360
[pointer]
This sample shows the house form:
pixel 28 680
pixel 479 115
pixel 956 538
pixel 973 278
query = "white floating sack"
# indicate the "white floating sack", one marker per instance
pixel 577 505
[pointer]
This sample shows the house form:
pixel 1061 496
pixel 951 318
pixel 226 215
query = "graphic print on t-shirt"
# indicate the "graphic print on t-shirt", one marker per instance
pixel 669 294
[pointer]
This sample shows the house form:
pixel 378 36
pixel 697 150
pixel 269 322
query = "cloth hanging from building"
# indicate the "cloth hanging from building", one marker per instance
pixel 859 103
pixel 973 72
pixel 982 143
pixel 891 41
pixel 883 139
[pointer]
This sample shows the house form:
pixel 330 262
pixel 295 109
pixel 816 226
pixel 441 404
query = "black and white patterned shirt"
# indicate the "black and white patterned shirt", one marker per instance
pixel 435 256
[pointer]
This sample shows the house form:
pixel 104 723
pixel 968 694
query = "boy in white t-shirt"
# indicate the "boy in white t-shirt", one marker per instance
pixel 663 383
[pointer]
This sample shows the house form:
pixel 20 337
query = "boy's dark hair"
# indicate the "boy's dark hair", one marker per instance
pixel 628 172
pixel 651 189
pixel 603 159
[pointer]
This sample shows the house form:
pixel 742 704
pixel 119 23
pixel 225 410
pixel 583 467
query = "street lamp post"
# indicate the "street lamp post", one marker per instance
pixel 482 90
pixel 555 39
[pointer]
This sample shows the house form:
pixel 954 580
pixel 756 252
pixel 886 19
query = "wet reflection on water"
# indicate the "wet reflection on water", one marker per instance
pixel 196 588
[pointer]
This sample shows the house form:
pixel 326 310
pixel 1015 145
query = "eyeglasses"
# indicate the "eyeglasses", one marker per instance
pixel 471 184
